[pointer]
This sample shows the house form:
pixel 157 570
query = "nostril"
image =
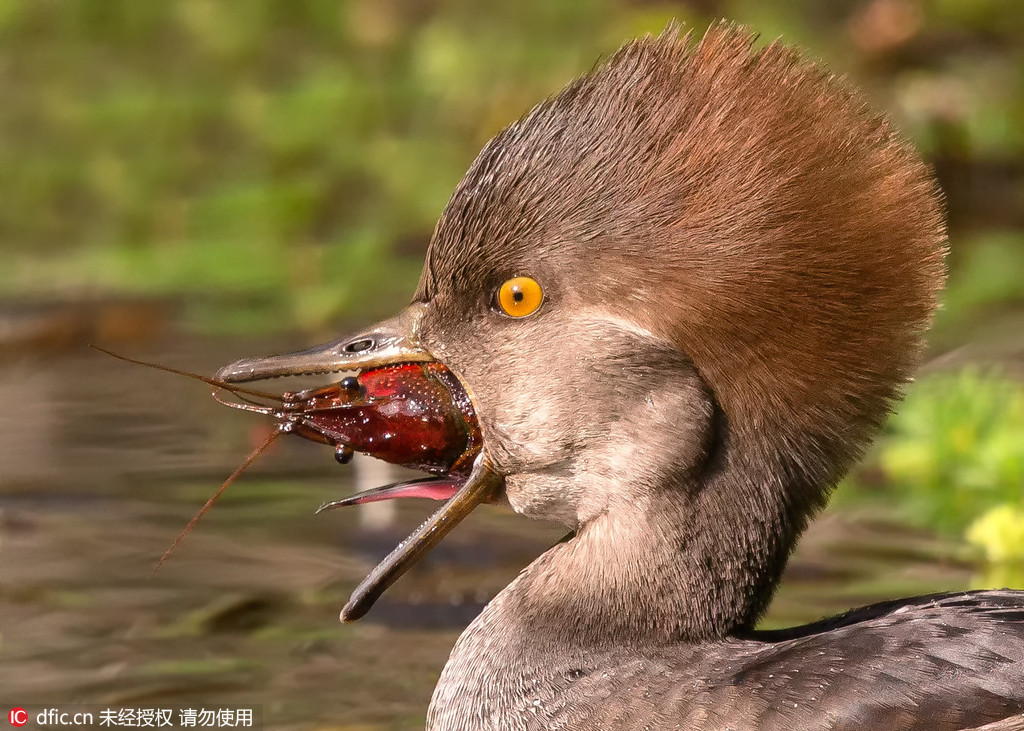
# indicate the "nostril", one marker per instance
pixel 359 346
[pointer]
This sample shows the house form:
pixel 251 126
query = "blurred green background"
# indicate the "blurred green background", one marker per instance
pixel 269 172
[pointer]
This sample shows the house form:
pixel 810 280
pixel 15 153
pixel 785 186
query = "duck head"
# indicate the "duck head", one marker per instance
pixel 682 295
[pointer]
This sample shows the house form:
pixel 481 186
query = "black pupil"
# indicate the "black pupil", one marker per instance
pixel 517 295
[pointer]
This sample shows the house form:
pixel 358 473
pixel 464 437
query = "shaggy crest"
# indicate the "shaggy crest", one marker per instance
pixel 773 227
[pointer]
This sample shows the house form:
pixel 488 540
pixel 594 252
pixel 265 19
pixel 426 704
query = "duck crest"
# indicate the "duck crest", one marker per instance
pixel 745 205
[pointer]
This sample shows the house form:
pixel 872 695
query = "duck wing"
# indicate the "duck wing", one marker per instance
pixel 945 662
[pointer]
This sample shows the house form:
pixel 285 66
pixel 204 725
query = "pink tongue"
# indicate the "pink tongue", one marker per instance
pixel 435 489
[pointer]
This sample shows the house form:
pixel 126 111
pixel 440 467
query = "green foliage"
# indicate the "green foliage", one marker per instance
pixel 954 459
pixel 989 273
pixel 999 533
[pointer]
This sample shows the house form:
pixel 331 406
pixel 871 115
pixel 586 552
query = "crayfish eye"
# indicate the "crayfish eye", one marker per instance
pixel 520 296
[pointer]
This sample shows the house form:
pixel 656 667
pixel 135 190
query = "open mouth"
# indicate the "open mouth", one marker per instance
pixel 403 407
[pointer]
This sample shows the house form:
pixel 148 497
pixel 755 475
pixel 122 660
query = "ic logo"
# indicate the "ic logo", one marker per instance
pixel 17 716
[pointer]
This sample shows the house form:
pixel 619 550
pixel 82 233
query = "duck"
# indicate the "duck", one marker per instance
pixel 682 295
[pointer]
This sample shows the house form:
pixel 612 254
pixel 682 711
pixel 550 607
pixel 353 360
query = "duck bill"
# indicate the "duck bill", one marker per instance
pixel 387 343
pixel 482 485
pixel 383 354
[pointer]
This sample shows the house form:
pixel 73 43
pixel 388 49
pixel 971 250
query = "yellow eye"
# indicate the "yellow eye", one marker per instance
pixel 520 296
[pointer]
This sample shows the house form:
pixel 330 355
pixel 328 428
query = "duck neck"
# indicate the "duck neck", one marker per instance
pixel 685 565
pixel 687 515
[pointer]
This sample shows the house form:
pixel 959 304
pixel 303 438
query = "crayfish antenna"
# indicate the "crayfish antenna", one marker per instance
pixel 209 503
pixel 232 388
pixel 245 405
